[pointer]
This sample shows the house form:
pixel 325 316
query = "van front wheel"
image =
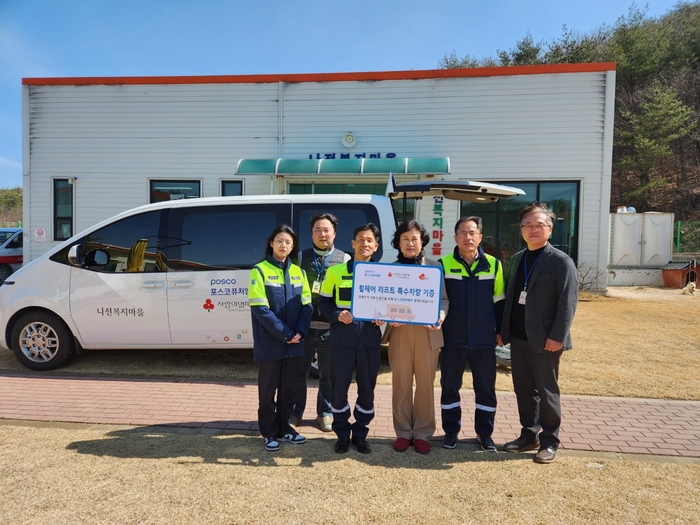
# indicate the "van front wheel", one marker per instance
pixel 41 341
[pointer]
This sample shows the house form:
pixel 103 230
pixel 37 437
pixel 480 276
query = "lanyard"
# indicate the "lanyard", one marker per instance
pixel 528 274
pixel 319 271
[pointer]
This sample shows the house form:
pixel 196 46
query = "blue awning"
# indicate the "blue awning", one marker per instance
pixel 399 165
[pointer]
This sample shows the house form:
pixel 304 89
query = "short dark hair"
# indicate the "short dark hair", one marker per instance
pixel 408 226
pixel 324 216
pixel 368 227
pixel 537 207
pixel 283 228
pixel 476 220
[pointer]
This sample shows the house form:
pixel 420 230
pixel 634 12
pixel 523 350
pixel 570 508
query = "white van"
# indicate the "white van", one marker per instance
pixel 175 274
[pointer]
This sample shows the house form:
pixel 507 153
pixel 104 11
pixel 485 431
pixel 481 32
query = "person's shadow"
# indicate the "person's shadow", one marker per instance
pixel 232 448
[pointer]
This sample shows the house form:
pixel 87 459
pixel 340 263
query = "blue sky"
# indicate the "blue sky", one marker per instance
pixel 61 38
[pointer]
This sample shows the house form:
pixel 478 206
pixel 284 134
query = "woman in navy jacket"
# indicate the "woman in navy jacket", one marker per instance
pixel 280 306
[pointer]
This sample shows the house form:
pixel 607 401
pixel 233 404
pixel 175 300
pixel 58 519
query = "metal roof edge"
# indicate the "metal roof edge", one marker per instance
pixel 542 69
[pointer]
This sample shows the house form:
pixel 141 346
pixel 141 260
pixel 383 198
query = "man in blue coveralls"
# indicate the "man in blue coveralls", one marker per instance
pixel 355 346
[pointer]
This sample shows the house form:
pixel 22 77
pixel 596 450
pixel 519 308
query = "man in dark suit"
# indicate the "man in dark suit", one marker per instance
pixel 541 297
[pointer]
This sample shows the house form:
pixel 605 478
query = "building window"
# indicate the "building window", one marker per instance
pixel 231 188
pixel 502 236
pixel 62 209
pixel 170 190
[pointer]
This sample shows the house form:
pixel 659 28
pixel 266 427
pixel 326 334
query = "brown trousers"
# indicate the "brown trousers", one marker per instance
pixel 410 355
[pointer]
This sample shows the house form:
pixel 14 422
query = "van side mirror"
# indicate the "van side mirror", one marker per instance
pixel 75 255
pixel 97 258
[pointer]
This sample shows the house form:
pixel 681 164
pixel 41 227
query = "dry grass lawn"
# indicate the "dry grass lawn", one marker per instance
pixel 105 475
pixel 637 342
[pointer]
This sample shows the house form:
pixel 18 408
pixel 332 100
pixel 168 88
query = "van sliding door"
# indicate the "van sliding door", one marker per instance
pixel 211 250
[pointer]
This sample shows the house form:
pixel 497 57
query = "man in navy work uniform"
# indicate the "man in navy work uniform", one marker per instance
pixel 475 287
pixel 541 298
pixel 355 345
pixel 315 262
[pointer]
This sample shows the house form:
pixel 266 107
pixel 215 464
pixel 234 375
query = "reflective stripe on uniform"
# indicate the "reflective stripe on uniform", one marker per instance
pixel 337 278
pixel 450 406
pixel 336 411
pixel 274 277
pixel 360 409
pixel 485 408
pixel 454 269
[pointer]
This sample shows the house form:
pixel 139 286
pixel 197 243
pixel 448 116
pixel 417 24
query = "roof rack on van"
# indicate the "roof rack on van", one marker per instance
pixel 461 190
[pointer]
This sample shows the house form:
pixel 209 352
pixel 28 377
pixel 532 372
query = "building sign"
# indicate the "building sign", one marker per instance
pixel 401 293
pixel 40 235
pixel 437 234
pixel 331 156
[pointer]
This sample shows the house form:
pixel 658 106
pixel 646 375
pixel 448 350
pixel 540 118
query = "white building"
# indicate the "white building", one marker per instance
pixel 94 147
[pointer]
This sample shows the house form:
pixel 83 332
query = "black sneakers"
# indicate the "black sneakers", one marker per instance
pixel 361 445
pixel 294 439
pixel 271 444
pixel 449 440
pixel 487 444
pixel 342 445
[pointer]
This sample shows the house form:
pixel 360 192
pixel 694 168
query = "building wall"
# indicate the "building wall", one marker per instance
pixel 114 138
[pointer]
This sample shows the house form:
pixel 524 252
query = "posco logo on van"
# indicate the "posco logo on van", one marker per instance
pixel 222 281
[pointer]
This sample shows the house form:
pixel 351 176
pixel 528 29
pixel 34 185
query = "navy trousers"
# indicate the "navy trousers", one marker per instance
pixel 482 363
pixel 315 342
pixel 278 377
pixel 344 359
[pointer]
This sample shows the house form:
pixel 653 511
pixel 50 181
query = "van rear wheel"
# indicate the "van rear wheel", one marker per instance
pixel 41 341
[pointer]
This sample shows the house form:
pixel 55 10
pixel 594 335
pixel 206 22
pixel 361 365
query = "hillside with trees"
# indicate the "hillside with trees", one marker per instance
pixel 656 150
pixel 10 205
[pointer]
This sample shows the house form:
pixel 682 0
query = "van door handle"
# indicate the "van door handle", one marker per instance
pixel 182 285
pixel 151 284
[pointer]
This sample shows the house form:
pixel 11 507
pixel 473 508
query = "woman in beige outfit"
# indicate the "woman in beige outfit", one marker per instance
pixel 413 353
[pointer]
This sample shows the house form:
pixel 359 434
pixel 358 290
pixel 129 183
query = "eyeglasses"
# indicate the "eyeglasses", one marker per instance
pixel 470 233
pixel 534 227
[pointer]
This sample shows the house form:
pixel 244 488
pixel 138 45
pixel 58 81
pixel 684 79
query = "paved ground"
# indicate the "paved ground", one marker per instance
pixel 635 426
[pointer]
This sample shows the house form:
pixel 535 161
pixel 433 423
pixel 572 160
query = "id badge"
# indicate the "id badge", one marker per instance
pixel 523 296
pixel 316 287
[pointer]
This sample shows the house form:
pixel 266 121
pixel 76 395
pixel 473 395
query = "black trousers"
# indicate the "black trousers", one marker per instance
pixel 315 342
pixel 482 363
pixel 278 377
pixel 365 362
pixel 535 381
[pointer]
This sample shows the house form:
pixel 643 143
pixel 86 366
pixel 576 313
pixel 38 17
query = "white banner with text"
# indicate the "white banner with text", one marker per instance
pixel 401 293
